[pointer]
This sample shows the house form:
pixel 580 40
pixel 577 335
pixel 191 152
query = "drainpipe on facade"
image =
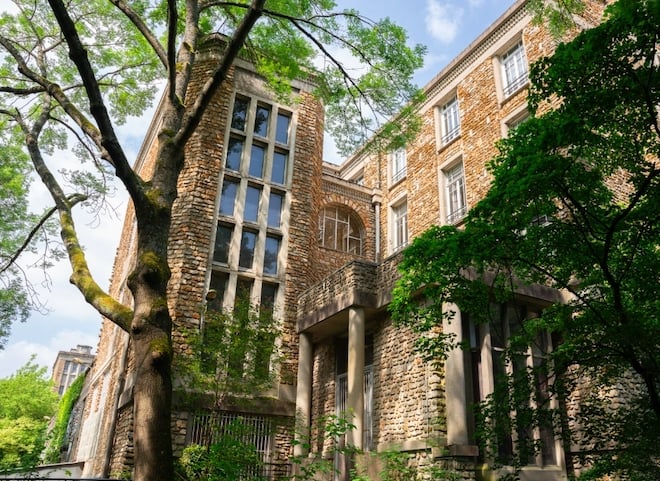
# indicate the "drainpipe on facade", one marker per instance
pixel 376 200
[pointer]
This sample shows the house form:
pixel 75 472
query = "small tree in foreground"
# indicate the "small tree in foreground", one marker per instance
pixel 27 401
pixel 574 205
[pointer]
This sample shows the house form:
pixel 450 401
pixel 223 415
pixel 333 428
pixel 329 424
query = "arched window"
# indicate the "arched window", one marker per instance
pixel 341 229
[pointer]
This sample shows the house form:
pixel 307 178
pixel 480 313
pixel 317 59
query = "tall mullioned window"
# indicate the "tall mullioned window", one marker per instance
pixel 491 361
pixel 253 197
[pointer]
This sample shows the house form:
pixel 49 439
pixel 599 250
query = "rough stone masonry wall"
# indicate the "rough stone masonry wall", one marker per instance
pixel 303 224
pixel 408 395
pixel 193 213
pixel 324 375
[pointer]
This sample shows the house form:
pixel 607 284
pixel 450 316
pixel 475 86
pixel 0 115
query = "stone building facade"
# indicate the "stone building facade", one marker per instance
pixel 260 212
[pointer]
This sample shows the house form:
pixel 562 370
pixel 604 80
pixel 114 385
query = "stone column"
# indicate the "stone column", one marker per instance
pixel 356 321
pixel 457 431
pixel 303 393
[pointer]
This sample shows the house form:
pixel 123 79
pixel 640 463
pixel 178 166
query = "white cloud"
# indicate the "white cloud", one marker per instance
pixel 475 3
pixel 443 20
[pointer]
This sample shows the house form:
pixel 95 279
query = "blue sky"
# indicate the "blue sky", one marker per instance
pixel 446 27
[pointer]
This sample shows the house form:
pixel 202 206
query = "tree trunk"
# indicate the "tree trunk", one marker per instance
pixel 151 335
pixel 152 405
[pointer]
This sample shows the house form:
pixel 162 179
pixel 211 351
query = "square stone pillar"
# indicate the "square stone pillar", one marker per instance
pixel 303 394
pixel 457 430
pixel 356 322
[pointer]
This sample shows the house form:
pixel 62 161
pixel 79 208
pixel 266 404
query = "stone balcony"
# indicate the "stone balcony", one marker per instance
pixel 323 309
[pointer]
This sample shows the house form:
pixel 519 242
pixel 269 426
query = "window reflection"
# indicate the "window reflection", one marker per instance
pixel 248 241
pixel 275 210
pixel 234 152
pixel 257 161
pixel 279 167
pixel 222 242
pixel 270 256
pixel 239 114
pixel 282 128
pixel 261 121
pixel 252 197
pixel 228 197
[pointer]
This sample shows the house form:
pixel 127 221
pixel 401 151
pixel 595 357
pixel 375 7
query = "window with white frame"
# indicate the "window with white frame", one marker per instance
pixel 399 165
pixel 456 206
pixel 514 69
pixel 451 123
pixel 513 122
pixel 491 361
pixel 340 229
pixel 399 225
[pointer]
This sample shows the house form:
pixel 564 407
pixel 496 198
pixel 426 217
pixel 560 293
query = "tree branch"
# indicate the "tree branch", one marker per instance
pixel 108 140
pixel 172 21
pixel 81 276
pixel 143 29
pixel 196 111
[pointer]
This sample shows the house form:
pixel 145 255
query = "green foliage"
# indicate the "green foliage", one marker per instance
pixel 14 226
pixel 233 355
pixel 57 436
pixel 315 466
pixel 558 16
pixel 27 401
pixel 574 205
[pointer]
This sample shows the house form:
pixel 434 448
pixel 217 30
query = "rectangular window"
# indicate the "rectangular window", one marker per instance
pixel 239 114
pixel 257 156
pixel 451 123
pixel 243 293
pixel 282 128
pixel 218 286
pixel 248 242
pixel 455 187
pixel 261 120
pixel 341 389
pixel 275 210
pixel 243 429
pixel 278 175
pixel 228 197
pixel 514 69
pixel 222 241
pixel 268 295
pixel 398 165
pixel 400 221
pixel 252 197
pixel 492 362
pixel 234 153
pixel 271 254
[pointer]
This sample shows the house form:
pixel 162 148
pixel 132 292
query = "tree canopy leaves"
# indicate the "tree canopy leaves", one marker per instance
pixel 574 205
pixel 27 401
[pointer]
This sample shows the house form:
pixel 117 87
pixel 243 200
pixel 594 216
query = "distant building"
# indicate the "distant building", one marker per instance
pixel 69 365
